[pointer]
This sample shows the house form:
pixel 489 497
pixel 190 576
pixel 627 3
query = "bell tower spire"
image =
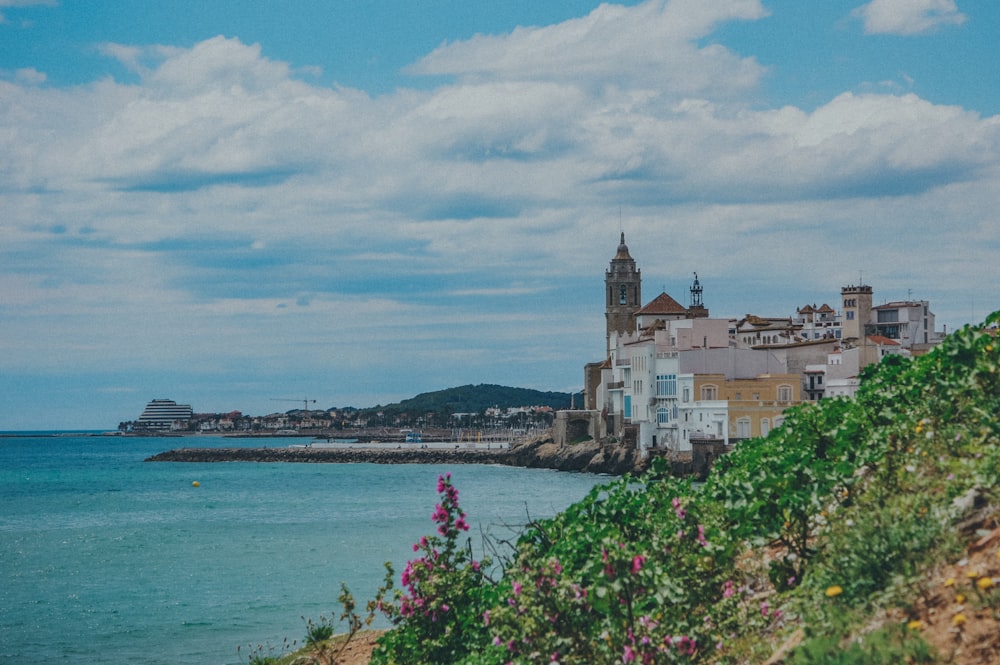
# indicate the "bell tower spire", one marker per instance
pixel 623 294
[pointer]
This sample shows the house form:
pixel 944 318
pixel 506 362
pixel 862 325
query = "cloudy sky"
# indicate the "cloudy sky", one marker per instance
pixel 229 202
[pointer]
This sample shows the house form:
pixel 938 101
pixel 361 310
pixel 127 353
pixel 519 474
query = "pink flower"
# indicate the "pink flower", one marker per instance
pixel 517 588
pixel 680 512
pixel 628 655
pixel 637 562
pixel 728 589
pixel 764 608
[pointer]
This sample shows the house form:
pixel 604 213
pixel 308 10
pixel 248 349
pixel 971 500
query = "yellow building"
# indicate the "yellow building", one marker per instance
pixel 756 405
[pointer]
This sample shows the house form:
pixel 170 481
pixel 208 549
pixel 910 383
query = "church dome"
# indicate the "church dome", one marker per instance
pixel 623 250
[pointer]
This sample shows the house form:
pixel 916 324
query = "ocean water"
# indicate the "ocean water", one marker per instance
pixel 105 558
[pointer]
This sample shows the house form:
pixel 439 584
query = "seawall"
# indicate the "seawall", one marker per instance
pixel 540 453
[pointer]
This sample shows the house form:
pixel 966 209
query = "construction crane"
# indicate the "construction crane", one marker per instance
pixel 305 402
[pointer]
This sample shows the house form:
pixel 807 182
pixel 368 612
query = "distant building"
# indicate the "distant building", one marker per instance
pixel 164 415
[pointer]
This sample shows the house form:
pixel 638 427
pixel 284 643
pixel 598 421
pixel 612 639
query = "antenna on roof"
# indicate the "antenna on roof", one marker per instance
pixel 620 228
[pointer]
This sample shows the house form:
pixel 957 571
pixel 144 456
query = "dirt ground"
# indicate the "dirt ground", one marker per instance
pixel 957 615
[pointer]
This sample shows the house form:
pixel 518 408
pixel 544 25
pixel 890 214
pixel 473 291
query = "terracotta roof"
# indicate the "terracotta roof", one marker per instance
pixel 663 304
pixel 826 308
pixel 884 341
pixel 807 309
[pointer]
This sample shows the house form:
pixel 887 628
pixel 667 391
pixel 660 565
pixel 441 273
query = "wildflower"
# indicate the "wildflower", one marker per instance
pixel 972 574
pixel 678 510
pixel 950 581
pixel 728 589
pixel 833 591
pixel 628 655
pixel 916 624
pixel 637 561
pixel 959 598
pixel 985 583
pixel 764 608
pixel 517 588
pixel 958 619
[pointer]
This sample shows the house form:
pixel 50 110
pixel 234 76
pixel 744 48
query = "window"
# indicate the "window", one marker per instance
pixel 784 393
pixel 765 426
pixel 666 385
pixel 888 316
pixel 850 315
pixel 743 428
pixel 663 416
pixel 623 295
pixel 628 406
pixel 687 394
pixel 709 392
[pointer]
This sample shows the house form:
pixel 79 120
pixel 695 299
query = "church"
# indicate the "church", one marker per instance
pixel 671 372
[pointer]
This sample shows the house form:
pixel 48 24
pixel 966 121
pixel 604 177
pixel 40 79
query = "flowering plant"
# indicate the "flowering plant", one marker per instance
pixel 444 593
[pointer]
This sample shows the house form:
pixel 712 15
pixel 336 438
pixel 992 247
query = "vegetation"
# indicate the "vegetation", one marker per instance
pixel 799 539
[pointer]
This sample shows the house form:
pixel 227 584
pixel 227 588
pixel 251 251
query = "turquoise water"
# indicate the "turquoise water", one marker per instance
pixel 107 559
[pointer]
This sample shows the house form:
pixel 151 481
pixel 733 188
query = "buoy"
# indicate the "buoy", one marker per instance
pixel 196 484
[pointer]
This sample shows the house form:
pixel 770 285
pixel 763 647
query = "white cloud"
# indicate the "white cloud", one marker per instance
pixel 649 46
pixel 225 210
pixel 908 17
pixel 29 76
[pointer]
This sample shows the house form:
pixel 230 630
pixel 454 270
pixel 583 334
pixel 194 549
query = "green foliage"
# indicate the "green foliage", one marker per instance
pixel 888 646
pixel 317 632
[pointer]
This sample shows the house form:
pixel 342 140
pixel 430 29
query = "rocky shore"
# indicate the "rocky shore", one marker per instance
pixel 540 453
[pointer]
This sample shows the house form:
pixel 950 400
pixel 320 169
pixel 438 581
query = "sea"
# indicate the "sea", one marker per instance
pixel 106 558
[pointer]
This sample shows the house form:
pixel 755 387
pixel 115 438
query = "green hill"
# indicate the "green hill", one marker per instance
pixel 476 399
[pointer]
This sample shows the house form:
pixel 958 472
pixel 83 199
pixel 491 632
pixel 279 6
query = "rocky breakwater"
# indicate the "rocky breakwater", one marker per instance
pixel 539 453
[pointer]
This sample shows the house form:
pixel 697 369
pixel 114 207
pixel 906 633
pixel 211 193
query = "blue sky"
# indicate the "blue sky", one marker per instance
pixel 228 202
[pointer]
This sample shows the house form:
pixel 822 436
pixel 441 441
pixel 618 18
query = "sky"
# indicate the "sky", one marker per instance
pixel 240 202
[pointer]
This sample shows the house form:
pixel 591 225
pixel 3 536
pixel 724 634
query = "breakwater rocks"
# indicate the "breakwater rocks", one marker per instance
pixel 541 453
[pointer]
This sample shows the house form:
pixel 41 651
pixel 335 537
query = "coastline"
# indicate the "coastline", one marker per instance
pixel 541 453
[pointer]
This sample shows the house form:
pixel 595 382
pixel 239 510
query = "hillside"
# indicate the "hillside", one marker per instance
pixel 862 530
pixel 476 399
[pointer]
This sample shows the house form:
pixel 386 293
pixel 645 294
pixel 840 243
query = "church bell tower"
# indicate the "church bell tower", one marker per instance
pixel 623 294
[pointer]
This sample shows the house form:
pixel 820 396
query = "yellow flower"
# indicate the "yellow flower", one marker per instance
pixel 950 581
pixel 916 624
pixel 833 591
pixel 958 619
pixel 972 574
pixel 985 583
pixel 959 598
